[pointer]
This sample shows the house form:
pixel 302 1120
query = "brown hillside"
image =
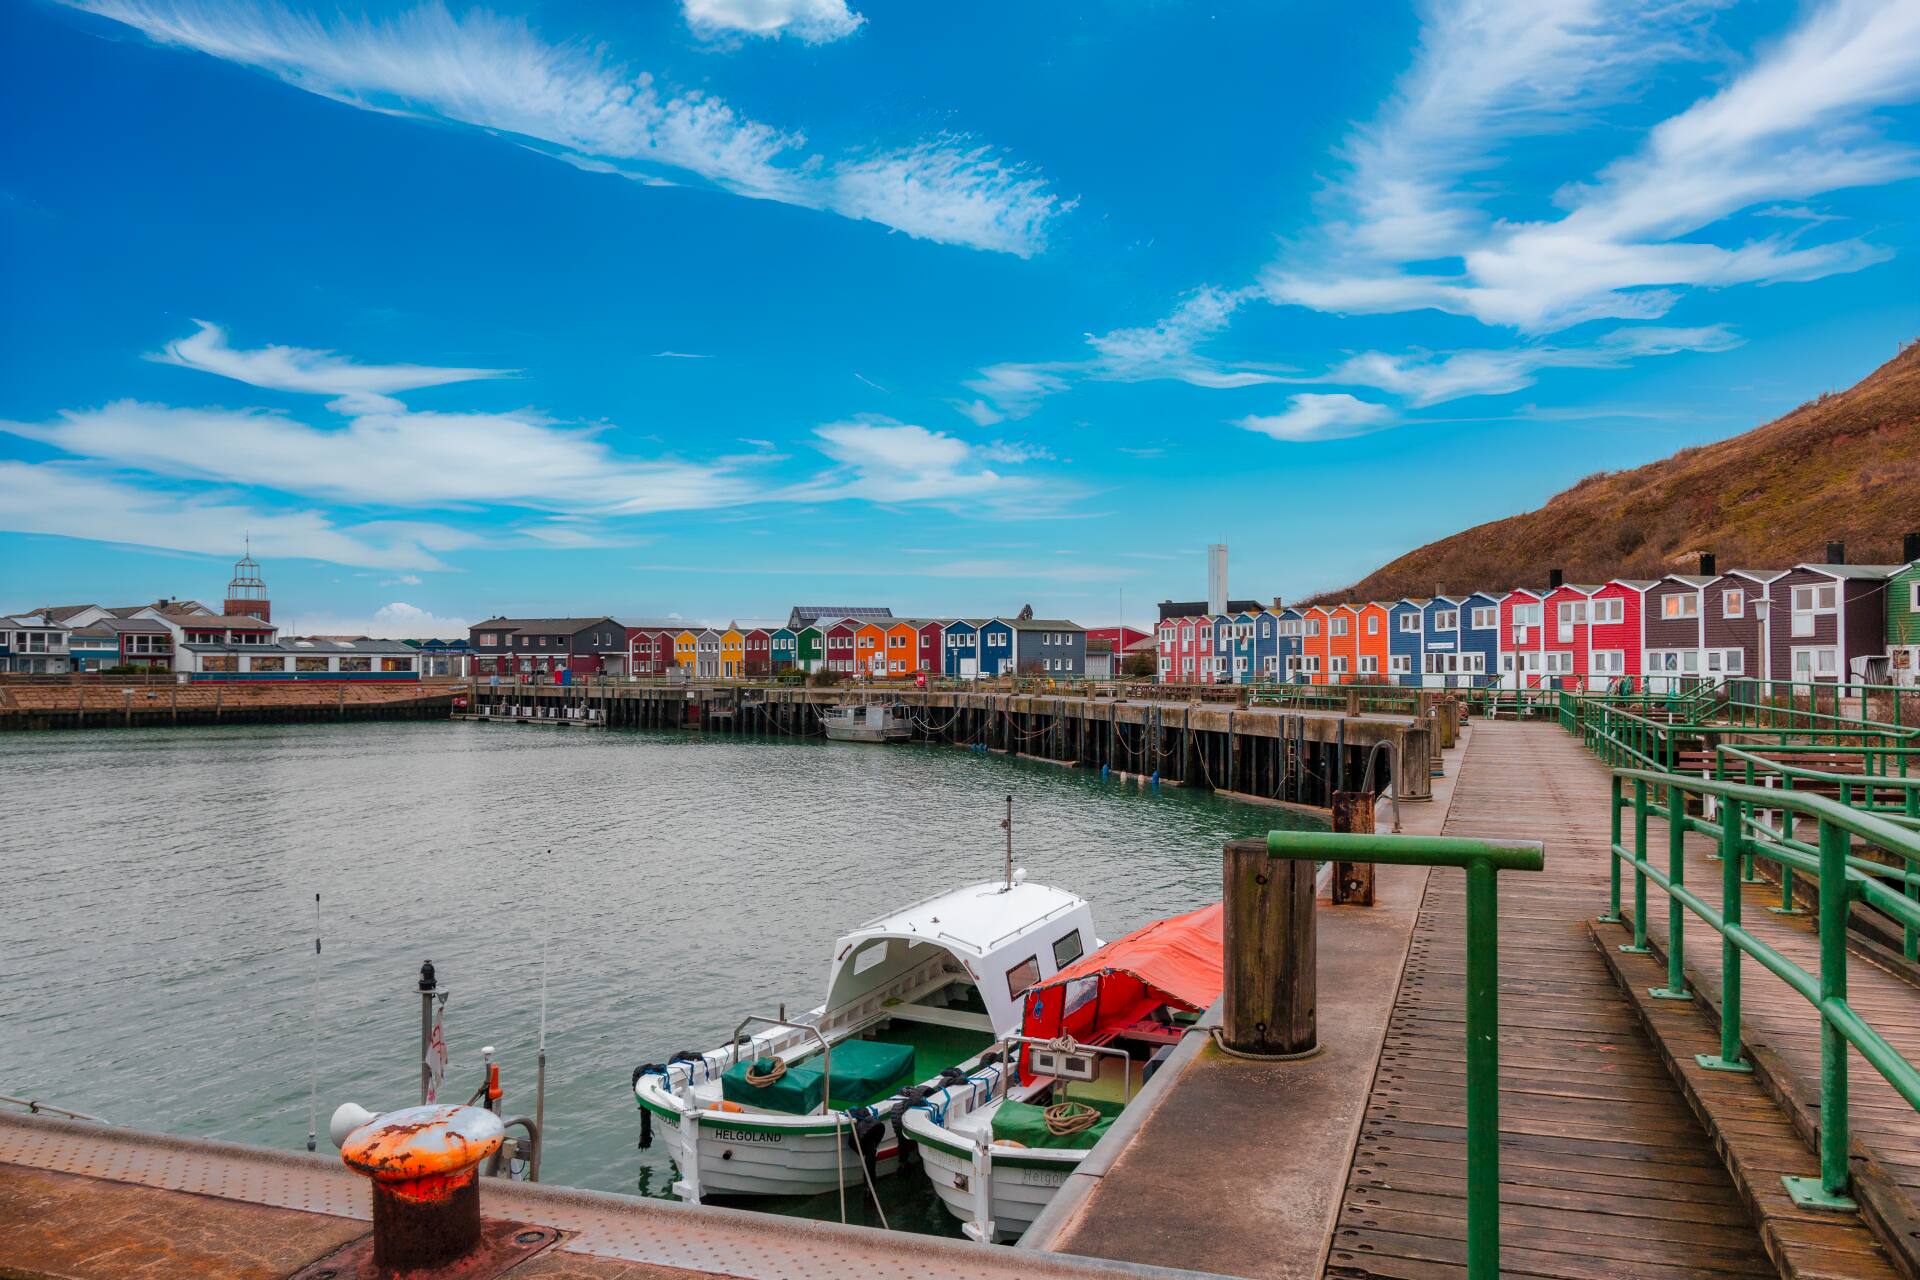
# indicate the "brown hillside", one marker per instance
pixel 1845 466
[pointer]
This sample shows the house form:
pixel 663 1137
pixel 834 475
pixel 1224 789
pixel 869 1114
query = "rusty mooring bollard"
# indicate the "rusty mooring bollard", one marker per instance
pixel 425 1166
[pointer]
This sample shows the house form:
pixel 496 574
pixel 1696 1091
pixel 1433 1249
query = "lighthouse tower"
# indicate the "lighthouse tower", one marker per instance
pixel 247 593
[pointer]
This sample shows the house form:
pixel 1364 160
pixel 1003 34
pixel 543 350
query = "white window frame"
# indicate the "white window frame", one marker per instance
pixel 1339 627
pixel 1338 665
pixel 1606 611
pixel 1680 606
pixel 1373 624
pixel 1559 662
pixel 1446 620
pixel 1608 662
pixel 1369 664
pixel 1485 617
pixel 1400 664
pixel 1410 623
pixel 1733 602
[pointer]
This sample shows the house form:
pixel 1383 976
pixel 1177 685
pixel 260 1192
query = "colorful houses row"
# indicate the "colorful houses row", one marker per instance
pixel 864 641
pixel 1831 623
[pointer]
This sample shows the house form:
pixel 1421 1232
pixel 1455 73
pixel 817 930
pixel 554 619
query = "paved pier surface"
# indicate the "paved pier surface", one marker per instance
pixel 86 1202
pixel 1353 1163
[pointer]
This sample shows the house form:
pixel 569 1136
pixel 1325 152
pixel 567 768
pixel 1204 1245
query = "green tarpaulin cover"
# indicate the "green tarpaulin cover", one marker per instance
pixel 1026 1124
pixel 799 1092
pixel 865 1071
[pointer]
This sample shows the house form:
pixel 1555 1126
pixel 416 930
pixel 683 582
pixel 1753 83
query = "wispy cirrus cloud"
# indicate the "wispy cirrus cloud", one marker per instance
pixel 576 102
pixel 1424 378
pixel 1316 416
pixel 76 501
pixel 302 369
pixel 1796 123
pixel 887 461
pixel 810 21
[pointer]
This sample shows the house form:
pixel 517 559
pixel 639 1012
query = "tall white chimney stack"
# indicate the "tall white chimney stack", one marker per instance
pixel 1217 578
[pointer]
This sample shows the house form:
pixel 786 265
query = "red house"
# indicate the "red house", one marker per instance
pixel 1615 641
pixel 932 638
pixel 1522 638
pixel 839 642
pixel 1567 639
pixel 650 648
pixel 758 647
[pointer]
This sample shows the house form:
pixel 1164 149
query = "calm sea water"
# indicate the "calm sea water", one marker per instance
pixel 157 966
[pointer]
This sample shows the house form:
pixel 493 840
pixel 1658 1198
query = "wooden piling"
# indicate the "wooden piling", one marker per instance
pixel 1270 975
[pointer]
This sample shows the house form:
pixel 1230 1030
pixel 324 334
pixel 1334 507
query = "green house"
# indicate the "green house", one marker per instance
pixel 1903 624
pixel 813 648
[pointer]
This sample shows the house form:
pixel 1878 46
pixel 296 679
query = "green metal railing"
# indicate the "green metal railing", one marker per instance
pixel 1482 860
pixel 1840 876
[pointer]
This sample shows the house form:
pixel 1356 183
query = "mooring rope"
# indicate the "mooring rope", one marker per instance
pixel 1067 1118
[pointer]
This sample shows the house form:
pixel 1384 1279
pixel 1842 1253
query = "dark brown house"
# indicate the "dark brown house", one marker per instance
pixel 1673 627
pixel 526 647
pixel 1733 625
pixel 1822 616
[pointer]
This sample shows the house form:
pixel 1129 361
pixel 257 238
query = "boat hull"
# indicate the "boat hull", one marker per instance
pixel 1020 1182
pixel 736 1158
pixel 861 734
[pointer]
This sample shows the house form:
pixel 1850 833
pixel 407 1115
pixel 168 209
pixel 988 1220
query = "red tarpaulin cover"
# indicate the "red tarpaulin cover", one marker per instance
pixel 1175 961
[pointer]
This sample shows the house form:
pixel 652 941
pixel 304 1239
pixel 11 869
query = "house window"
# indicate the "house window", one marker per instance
pixel 1609 662
pixel 1410 622
pixel 1815 664
pixel 1239 666
pixel 1313 626
pixel 1186 666
pixel 1400 664
pixel 1369 665
pixel 1560 663
pixel 1373 624
pixel 1680 606
pixel 1808 603
pixel 1610 609
pixel 1733 603
pixel 1339 666
pixel 1269 665
pixel 219 662
pixel 1339 627
pixel 1266 628
pixel 1913 596
pixel 1486 617
pixel 1446 620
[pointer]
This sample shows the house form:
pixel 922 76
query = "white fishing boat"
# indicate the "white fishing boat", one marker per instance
pixel 998 1147
pixel 917 997
pixel 868 722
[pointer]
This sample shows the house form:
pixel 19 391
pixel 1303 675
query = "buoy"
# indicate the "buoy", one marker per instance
pixel 726 1106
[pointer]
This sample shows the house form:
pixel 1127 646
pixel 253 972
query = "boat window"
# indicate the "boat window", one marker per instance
pixel 1022 976
pixel 1079 992
pixel 1066 949
pixel 870 957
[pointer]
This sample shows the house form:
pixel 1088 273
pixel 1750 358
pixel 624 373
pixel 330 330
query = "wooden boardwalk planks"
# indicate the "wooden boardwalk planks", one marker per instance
pixel 1605 1172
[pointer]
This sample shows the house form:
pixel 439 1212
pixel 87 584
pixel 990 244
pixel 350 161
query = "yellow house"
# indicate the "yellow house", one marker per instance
pixel 683 650
pixel 733 652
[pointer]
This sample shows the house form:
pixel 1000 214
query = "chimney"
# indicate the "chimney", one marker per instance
pixel 1279 604
pixel 1555 579
pixel 1910 548
pixel 1706 564
pixel 1836 553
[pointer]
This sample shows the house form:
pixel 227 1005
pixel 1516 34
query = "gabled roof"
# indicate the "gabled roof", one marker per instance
pixel 566 626
pixel 61 612
pixel 1043 624
pixel 1638 584
pixel 1854 570
pixel 1456 601
pixel 1762 576
pixel 1694 580
pixel 801 614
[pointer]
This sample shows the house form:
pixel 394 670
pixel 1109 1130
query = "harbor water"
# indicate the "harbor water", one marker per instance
pixel 157 967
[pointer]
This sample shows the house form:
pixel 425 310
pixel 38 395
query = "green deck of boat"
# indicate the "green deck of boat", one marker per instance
pixel 934 1048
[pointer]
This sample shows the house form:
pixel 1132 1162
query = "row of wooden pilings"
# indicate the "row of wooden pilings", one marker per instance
pixel 1298 757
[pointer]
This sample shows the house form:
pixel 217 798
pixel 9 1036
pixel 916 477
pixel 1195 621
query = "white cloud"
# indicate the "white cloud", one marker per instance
pixel 404 580
pixel 302 369
pixel 887 461
pixel 812 21
pixel 1795 124
pixel 1315 416
pixel 396 621
pixel 576 103
pixel 1426 379
pixel 76 502
pixel 392 457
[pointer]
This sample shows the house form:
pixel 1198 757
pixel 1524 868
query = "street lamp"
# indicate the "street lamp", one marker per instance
pixel 1761 608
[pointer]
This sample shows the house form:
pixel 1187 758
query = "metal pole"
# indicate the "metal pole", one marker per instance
pixel 1483 1073
pixel 1676 988
pixel 1729 1058
pixel 1639 944
pixel 427 986
pixel 1613 856
pixel 1835 897
pixel 1007 825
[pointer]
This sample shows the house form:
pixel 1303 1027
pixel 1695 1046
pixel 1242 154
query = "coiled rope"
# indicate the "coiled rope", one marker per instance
pixel 761 1079
pixel 1067 1118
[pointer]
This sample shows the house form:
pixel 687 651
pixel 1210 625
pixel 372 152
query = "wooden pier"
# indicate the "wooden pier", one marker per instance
pixel 1253 752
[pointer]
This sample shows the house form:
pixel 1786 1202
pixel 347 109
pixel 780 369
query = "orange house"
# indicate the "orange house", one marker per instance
pixel 1313 645
pixel 1343 643
pixel 1372 632
pixel 870 649
pixel 903 649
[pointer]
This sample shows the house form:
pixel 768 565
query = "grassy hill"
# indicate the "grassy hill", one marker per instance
pixel 1845 466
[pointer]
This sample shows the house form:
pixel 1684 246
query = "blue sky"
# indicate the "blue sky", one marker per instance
pixel 705 308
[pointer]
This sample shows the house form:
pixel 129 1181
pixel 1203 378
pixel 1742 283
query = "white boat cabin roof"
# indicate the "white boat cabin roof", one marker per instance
pixel 975 920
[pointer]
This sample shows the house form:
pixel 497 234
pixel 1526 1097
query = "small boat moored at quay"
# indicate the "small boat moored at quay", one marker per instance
pixel 916 1000
pixel 868 722
pixel 997 1149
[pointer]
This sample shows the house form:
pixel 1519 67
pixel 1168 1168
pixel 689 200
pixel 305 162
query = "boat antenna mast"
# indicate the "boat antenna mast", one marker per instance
pixel 1006 825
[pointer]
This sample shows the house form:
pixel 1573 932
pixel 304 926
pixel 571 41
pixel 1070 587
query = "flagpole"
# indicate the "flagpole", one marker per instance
pixel 313 1074
pixel 540 1079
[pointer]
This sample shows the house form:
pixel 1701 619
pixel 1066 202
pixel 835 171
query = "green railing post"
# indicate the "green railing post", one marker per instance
pixel 1613 854
pixel 1829 1190
pixel 1676 988
pixel 1732 839
pixel 1639 944
pixel 1786 907
pixel 1483 1073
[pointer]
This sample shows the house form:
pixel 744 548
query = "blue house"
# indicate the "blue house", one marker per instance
pixel 1266 648
pixel 1290 631
pixel 1243 666
pixel 1440 642
pixel 1222 624
pixel 1406 635
pixel 1479 639
pixel 783 645
pixel 996 643
pixel 960 649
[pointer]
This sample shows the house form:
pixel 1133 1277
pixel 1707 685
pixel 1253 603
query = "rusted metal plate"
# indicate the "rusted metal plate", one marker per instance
pixel 502 1245
pixel 65 1225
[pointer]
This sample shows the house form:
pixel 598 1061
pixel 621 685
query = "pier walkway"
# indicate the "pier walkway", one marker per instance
pixel 1353 1163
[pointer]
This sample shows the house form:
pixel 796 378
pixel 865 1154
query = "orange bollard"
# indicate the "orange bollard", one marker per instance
pixel 424 1163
